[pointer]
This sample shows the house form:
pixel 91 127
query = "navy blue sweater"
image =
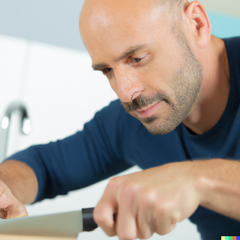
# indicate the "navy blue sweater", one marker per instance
pixel 114 141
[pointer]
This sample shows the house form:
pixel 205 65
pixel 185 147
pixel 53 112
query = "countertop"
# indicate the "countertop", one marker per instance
pixel 15 237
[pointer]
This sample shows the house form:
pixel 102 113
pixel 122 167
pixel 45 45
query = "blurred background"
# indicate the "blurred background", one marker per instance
pixel 48 89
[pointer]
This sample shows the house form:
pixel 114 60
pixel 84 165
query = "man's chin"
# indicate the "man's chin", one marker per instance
pixel 158 128
pixel 149 121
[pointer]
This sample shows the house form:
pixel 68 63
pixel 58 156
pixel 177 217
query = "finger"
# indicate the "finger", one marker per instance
pixel 164 222
pixel 126 224
pixel 106 208
pixel 10 207
pixel 126 218
pixel 144 223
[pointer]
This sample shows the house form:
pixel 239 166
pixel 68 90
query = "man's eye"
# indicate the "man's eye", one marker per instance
pixel 106 70
pixel 136 60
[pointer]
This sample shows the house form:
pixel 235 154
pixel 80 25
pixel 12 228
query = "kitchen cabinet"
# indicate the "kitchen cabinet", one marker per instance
pixel 12 60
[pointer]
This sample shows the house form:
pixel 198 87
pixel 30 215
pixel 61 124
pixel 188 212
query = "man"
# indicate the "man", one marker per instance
pixel 182 84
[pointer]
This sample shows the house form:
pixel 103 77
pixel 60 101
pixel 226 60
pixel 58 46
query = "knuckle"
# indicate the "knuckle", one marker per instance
pixel 164 218
pixel 176 217
pixel 148 198
pixel 129 190
pixel 162 209
pixel 114 182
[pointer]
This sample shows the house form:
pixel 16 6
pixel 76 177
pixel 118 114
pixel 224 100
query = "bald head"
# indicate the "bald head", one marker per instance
pixel 100 17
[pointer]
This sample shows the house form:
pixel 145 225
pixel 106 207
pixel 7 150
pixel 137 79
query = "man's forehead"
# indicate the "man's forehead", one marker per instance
pixel 108 28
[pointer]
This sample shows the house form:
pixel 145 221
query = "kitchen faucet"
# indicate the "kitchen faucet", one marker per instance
pixel 5 125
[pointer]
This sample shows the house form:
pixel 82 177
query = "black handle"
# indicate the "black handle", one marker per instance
pixel 88 221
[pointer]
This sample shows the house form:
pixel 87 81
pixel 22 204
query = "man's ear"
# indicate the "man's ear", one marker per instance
pixel 198 24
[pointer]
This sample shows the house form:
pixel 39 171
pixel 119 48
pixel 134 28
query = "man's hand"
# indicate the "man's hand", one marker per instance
pixel 18 186
pixel 153 200
pixel 10 207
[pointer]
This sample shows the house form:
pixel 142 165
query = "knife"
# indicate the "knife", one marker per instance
pixel 67 224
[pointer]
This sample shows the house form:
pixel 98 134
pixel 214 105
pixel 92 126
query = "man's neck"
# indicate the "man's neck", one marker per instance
pixel 215 88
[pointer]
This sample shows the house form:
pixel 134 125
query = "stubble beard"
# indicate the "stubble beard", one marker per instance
pixel 185 84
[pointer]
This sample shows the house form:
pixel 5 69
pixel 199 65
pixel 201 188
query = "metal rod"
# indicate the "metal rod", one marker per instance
pixel 6 122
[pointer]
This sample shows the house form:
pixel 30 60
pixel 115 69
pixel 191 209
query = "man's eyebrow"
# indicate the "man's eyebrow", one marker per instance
pixel 100 66
pixel 128 52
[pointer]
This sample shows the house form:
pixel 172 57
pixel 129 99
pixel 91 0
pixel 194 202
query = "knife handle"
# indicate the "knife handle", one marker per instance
pixel 88 221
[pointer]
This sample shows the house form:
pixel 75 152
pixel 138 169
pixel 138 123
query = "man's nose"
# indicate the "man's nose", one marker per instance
pixel 129 86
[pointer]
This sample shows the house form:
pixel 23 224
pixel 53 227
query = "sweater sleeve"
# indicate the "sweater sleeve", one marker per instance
pixel 80 160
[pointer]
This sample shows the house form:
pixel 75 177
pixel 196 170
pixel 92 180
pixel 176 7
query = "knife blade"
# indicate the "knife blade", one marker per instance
pixel 67 224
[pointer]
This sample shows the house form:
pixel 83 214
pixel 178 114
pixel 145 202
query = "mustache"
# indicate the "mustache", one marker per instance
pixel 141 101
